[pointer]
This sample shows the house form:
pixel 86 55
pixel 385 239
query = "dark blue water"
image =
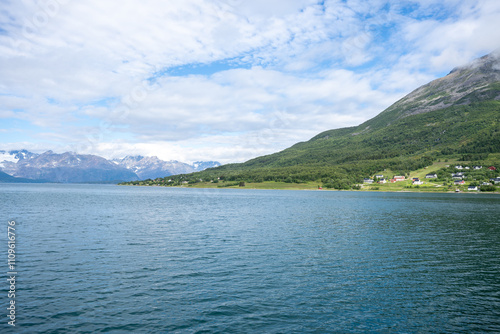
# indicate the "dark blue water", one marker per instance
pixel 101 258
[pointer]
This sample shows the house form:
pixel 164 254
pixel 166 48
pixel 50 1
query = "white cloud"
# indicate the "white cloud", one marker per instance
pixel 443 45
pixel 79 70
pixel 241 100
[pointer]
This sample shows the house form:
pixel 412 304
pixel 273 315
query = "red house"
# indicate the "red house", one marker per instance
pixel 492 168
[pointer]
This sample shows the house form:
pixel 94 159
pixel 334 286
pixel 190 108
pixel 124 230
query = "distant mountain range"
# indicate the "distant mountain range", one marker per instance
pixel 69 167
pixel 152 167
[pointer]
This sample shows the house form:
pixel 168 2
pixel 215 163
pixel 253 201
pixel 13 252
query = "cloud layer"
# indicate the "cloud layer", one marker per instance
pixel 220 80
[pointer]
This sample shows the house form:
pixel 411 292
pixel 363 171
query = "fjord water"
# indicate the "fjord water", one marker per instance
pixel 104 258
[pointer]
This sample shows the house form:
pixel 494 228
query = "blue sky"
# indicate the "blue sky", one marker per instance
pixel 224 80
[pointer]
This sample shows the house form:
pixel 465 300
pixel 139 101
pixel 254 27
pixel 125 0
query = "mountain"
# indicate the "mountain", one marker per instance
pixel 6 178
pixel 474 82
pixel 152 167
pixel 67 167
pixel 9 159
pixel 457 115
pixel 70 167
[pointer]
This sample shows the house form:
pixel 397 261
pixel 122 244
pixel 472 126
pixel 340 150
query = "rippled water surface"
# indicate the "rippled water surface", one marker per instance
pixel 102 258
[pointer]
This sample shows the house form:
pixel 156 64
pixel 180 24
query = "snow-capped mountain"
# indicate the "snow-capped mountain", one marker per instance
pixel 67 167
pixel 8 159
pixel 70 167
pixel 153 167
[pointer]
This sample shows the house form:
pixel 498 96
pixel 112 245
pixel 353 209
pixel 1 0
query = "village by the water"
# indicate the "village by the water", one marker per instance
pixel 456 178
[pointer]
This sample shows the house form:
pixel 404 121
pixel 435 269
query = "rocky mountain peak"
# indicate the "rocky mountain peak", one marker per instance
pixel 473 82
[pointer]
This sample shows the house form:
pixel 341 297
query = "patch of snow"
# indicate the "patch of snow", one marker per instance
pixel 6 156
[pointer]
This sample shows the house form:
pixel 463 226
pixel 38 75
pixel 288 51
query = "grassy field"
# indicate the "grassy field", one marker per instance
pixel 260 185
pixel 404 186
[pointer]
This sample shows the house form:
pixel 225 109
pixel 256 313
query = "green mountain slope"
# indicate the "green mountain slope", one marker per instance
pixel 455 115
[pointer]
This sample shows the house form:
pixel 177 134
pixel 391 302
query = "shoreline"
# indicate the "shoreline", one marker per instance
pixel 408 190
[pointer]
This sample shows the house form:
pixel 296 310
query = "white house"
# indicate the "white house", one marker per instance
pixel 431 176
pixel 472 188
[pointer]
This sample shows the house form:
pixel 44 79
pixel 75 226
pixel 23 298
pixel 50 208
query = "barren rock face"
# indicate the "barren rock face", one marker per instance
pixel 477 81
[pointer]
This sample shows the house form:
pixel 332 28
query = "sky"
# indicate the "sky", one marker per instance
pixel 224 80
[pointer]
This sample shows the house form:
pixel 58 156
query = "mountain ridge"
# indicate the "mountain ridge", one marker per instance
pixel 70 167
